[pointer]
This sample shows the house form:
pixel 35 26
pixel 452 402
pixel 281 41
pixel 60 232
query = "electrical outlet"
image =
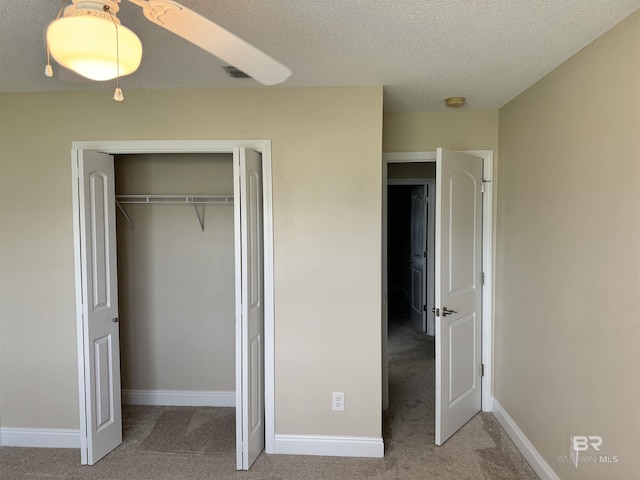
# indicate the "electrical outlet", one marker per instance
pixel 338 402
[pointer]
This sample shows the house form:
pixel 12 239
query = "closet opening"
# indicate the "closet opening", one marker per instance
pixel 196 285
pixel 175 281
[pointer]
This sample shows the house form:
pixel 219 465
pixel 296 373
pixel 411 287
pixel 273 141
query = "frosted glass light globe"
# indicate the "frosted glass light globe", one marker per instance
pixel 87 45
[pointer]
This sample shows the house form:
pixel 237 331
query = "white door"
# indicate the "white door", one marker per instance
pixel 250 428
pixel 458 290
pixel 417 262
pixel 99 290
pixel 430 200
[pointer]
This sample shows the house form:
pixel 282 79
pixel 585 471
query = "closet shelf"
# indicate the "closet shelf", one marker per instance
pixel 176 199
pixel 194 200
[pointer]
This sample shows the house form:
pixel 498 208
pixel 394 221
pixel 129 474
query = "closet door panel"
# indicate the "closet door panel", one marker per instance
pixel 251 334
pixel 100 343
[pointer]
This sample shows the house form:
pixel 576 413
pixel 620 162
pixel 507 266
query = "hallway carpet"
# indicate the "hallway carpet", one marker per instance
pixel 199 443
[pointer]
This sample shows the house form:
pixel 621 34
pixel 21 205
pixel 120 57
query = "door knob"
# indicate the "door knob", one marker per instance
pixel 446 311
pixel 115 320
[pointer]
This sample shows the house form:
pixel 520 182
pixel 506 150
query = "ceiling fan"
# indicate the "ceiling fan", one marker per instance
pixel 88 38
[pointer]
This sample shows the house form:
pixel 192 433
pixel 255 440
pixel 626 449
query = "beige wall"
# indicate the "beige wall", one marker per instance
pixel 568 279
pixel 176 284
pixel 426 131
pixel 326 151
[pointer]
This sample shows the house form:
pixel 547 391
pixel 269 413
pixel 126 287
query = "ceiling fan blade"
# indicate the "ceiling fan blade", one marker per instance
pixel 214 39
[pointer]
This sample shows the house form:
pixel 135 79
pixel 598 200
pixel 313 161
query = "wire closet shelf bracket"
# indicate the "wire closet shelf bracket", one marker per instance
pixel 194 200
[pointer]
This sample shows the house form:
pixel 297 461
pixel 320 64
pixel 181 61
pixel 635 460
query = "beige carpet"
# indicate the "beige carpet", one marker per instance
pixel 198 443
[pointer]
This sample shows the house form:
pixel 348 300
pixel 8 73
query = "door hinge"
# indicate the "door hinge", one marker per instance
pixel 482 278
pixel 482 369
pixel 424 308
pixel 484 183
pixel 425 254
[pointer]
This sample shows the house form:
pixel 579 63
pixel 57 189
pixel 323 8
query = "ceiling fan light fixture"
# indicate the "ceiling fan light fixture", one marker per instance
pixel 86 43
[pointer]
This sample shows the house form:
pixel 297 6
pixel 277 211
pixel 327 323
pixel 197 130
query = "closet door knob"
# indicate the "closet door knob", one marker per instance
pixel 115 320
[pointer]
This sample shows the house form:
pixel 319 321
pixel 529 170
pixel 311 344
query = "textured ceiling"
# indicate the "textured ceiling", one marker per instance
pixel 421 51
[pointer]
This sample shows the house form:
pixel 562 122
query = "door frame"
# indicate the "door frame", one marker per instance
pixel 430 184
pixel 186 146
pixel 487 266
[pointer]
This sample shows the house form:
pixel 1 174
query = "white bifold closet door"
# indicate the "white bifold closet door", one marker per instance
pixel 100 404
pixel 250 417
pixel 97 292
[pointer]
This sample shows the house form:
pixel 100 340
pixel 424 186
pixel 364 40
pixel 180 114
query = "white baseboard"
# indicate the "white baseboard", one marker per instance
pixel 40 437
pixel 69 438
pixel 329 446
pixel 539 464
pixel 184 398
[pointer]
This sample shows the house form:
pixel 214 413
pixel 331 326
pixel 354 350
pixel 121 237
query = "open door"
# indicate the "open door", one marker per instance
pixel 458 270
pixel 418 260
pixel 430 290
pixel 250 419
pixel 99 346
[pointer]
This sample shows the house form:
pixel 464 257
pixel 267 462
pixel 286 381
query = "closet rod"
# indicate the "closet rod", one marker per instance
pixel 176 199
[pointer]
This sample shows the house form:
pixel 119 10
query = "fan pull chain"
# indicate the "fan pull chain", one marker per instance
pixel 117 94
pixel 48 71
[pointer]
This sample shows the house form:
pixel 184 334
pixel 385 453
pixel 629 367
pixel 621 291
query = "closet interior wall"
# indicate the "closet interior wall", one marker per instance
pixel 176 283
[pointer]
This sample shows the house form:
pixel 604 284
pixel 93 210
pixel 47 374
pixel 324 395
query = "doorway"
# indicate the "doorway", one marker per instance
pixel 486 171
pixel 98 361
pixel 411 244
